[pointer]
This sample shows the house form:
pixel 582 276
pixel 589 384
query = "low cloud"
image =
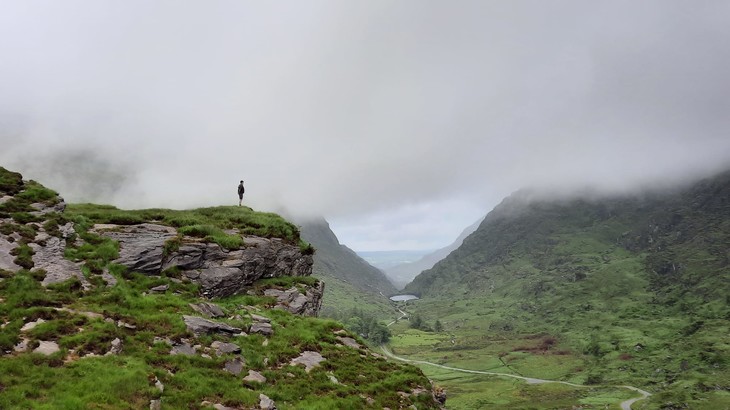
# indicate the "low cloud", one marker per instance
pixel 356 111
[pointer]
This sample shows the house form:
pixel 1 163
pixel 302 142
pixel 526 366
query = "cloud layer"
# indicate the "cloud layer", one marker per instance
pixel 362 111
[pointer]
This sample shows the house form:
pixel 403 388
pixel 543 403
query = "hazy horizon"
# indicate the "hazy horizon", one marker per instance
pixel 399 122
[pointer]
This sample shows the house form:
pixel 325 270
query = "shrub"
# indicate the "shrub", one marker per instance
pixel 23 256
pixel 10 182
pixel 24 218
pixel 35 192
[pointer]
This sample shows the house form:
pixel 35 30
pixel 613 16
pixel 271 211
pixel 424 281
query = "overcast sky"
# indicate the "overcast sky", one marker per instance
pixel 401 122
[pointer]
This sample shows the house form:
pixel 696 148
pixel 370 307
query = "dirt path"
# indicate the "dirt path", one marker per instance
pixel 625 405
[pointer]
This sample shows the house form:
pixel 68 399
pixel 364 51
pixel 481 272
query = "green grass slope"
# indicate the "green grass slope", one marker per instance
pixel 85 322
pixel 351 282
pixel 610 291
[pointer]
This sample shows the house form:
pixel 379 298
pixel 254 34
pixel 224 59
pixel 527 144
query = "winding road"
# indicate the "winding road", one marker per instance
pixel 625 405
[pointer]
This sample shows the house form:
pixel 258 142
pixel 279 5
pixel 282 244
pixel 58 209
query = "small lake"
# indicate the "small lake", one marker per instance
pixel 403 298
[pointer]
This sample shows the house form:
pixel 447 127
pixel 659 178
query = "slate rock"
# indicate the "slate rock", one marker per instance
pixel 222 348
pixel 58 269
pixel 309 359
pixel 348 341
pixel 254 376
pixel 141 247
pixel 265 403
pixel 200 326
pixel 262 328
pixel 234 366
pixel 261 319
pixel 208 309
pixel 160 289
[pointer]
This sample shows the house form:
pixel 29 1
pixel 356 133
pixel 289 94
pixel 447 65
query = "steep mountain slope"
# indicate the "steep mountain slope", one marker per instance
pixel 351 282
pixel 404 273
pixel 157 308
pixel 634 289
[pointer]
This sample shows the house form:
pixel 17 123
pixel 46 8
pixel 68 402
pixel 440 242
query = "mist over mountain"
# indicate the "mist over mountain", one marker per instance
pixel 633 287
pixel 404 273
pixel 356 111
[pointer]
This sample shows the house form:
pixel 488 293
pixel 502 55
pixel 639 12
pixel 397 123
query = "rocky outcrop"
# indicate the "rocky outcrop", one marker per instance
pixel 7 260
pixel 50 258
pixel 296 302
pixel 201 326
pixel 220 272
pixel 141 247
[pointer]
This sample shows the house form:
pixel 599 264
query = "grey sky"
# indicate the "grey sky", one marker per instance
pixel 401 122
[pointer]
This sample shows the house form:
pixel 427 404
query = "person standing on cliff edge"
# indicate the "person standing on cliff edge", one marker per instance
pixel 241 190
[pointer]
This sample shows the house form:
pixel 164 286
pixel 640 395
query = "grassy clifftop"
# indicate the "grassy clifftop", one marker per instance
pixel 209 223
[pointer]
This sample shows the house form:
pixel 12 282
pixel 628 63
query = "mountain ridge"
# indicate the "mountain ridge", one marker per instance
pixel 631 289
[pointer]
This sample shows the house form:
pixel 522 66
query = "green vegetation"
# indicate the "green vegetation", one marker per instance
pixel 69 380
pixel 351 283
pixel 623 291
pixel 22 194
pixel 210 224
pixel 365 325
pixel 85 323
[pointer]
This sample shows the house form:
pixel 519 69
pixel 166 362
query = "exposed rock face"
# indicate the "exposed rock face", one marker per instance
pixel 41 208
pixel 58 269
pixel 48 251
pixel 219 271
pixel 141 246
pixel 6 259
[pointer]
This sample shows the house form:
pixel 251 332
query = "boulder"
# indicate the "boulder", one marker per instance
pixel 254 376
pixel 183 349
pixel 160 289
pixel 200 326
pixel 208 309
pixel 222 348
pixel 47 348
pixel 262 328
pixel 235 366
pixel 309 359
pixel 265 403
